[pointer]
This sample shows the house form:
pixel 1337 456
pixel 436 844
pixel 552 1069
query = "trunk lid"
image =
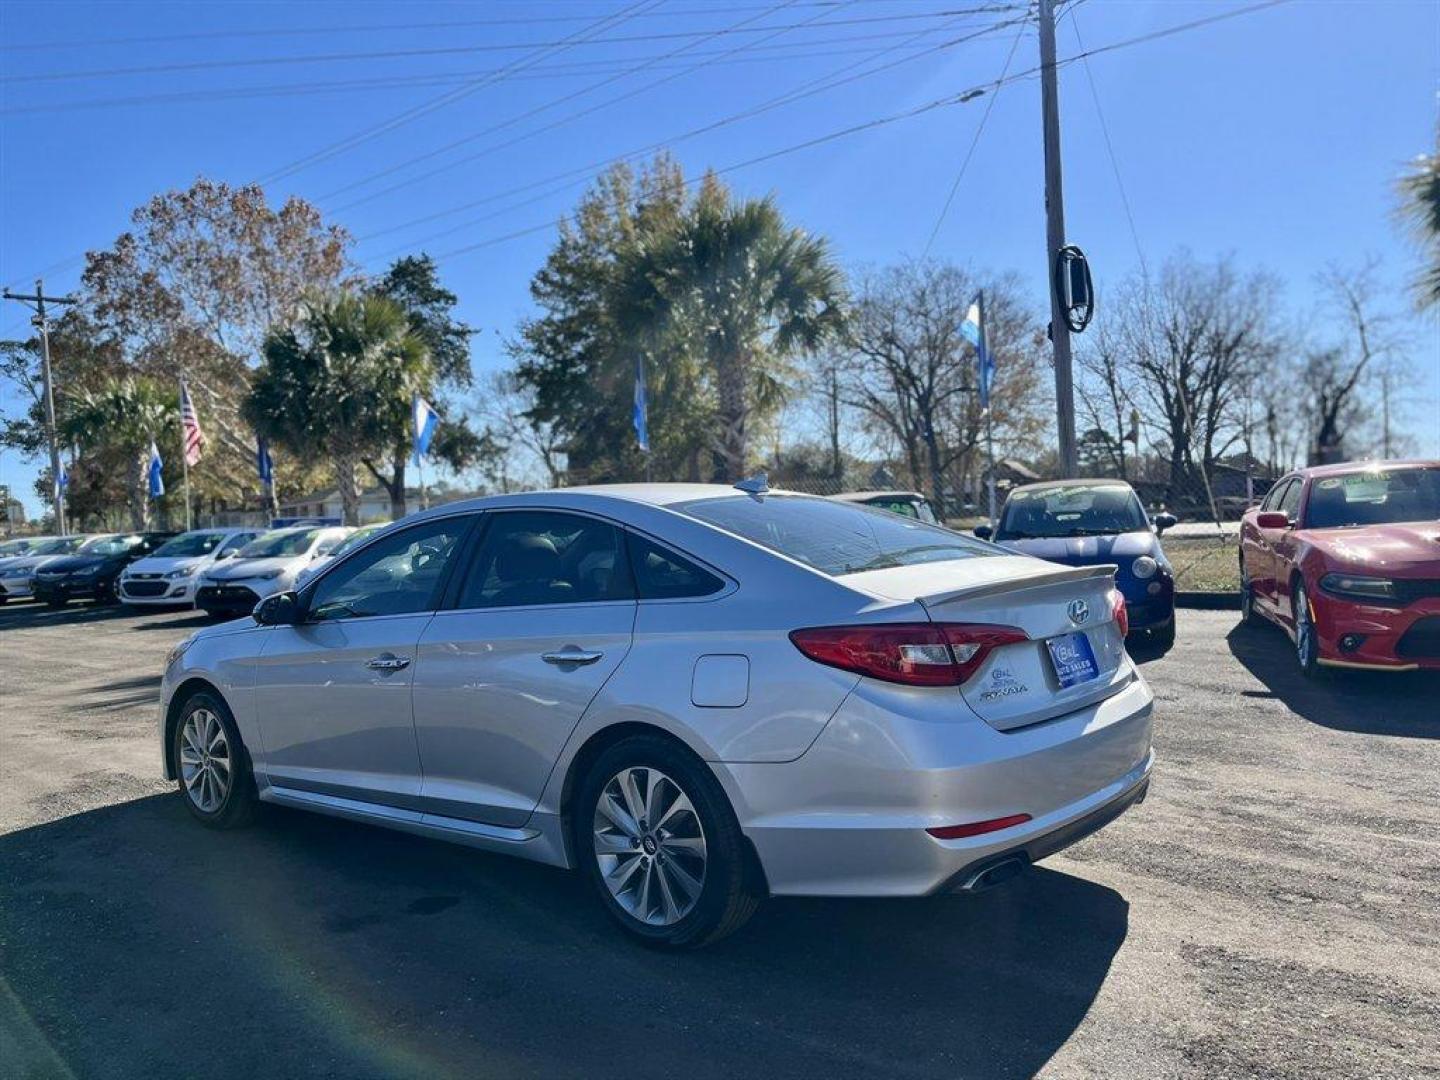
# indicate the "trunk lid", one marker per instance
pixel 1018 684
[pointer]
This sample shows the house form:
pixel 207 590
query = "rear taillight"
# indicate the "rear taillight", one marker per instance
pixel 915 654
pixel 1119 611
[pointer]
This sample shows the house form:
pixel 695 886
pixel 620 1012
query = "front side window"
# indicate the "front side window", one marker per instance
pixel 397 576
pixel 1290 501
pixel 1374 497
pixel 547 557
pixel 1071 510
pixel 833 537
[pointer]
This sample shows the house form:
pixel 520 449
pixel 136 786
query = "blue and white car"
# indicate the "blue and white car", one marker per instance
pixel 168 577
pixel 1093 522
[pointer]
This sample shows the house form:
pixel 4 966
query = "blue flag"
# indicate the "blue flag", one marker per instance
pixel 157 479
pixel 64 477
pixel 638 413
pixel 973 330
pixel 263 465
pixel 426 421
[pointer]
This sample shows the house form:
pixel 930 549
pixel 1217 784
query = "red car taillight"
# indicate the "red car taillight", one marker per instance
pixel 1120 611
pixel 915 654
pixel 977 828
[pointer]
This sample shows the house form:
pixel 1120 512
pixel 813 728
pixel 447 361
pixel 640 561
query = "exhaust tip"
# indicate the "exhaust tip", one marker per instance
pixel 987 877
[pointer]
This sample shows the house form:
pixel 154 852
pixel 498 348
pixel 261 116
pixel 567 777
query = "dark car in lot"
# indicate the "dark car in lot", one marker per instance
pixel 1089 522
pixel 92 572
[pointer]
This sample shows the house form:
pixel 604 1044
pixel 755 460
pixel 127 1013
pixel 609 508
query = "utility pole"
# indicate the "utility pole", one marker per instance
pixel 38 302
pixel 1054 241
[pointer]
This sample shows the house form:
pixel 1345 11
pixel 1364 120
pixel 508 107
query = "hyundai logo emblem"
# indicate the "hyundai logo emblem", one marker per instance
pixel 1079 611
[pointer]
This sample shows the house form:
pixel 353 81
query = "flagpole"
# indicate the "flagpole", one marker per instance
pixel 424 494
pixel 989 407
pixel 184 456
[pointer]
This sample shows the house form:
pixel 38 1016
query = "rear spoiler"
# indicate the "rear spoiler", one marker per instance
pixel 1056 576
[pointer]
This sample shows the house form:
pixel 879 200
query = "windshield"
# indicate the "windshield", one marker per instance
pixel 355 539
pixel 1071 510
pixel 1378 497
pixel 279 543
pixel 14 547
pixel 106 546
pixel 195 543
pixel 835 537
pixel 62 546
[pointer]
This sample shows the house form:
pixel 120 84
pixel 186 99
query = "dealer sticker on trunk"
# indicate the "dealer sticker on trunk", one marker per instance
pixel 1073 658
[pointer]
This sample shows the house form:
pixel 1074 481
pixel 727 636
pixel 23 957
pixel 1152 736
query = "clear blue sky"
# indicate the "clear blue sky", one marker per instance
pixel 1275 136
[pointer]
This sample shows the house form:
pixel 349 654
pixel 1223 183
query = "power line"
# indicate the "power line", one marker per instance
pixel 301 31
pixel 955 99
pixel 796 50
pixel 459 93
pixel 1109 146
pixel 389 54
pixel 398 166
pixel 815 86
pixel 974 142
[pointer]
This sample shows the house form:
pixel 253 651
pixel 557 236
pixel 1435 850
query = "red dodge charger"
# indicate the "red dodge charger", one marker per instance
pixel 1346 560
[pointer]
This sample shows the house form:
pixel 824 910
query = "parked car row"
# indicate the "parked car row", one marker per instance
pixel 222 571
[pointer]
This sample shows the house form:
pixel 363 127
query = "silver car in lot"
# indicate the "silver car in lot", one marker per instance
pixel 696 695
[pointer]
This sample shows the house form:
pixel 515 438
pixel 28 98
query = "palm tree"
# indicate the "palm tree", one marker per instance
pixel 748 293
pixel 339 383
pixel 1420 190
pixel 115 422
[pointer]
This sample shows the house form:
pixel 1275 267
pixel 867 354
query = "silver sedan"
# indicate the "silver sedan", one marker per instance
pixel 696 695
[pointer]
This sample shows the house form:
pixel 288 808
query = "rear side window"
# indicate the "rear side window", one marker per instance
pixel 834 537
pixel 547 557
pixel 660 574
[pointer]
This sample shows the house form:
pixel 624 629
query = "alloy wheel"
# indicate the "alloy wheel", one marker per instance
pixel 205 760
pixel 650 846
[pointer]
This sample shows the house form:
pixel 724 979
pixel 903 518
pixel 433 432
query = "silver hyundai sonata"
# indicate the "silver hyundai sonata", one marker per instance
pixel 697 695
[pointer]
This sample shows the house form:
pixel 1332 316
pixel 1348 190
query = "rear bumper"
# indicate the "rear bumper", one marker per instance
pixel 1393 639
pixel 848 818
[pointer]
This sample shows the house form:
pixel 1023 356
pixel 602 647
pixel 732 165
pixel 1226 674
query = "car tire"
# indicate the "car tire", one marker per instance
pixel 1164 639
pixel 1307 640
pixel 1248 615
pixel 225 799
pixel 679 882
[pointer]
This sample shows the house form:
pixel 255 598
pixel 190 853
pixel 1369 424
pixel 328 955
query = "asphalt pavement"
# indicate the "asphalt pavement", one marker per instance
pixel 1272 909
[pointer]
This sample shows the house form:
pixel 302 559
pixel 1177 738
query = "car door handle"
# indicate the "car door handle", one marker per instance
pixel 388 662
pixel 571 656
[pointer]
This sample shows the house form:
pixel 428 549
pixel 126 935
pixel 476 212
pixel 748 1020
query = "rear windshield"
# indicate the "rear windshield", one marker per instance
pixel 1071 510
pixel 279 543
pixel 63 546
pixel 834 537
pixel 1374 497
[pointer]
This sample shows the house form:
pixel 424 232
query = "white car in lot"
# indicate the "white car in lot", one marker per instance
pixel 349 544
pixel 17 573
pixel 696 696
pixel 169 576
pixel 268 564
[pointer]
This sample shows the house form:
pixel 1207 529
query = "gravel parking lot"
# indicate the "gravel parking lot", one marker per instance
pixel 1273 909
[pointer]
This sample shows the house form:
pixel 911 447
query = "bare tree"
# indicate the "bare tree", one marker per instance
pixel 912 376
pixel 1188 343
pixel 1334 375
pixel 528 452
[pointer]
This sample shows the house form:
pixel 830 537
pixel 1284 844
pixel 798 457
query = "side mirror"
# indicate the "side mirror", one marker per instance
pixel 1164 521
pixel 228 554
pixel 984 532
pixel 282 609
pixel 1272 519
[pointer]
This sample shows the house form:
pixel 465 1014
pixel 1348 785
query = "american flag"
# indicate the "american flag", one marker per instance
pixel 190 426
